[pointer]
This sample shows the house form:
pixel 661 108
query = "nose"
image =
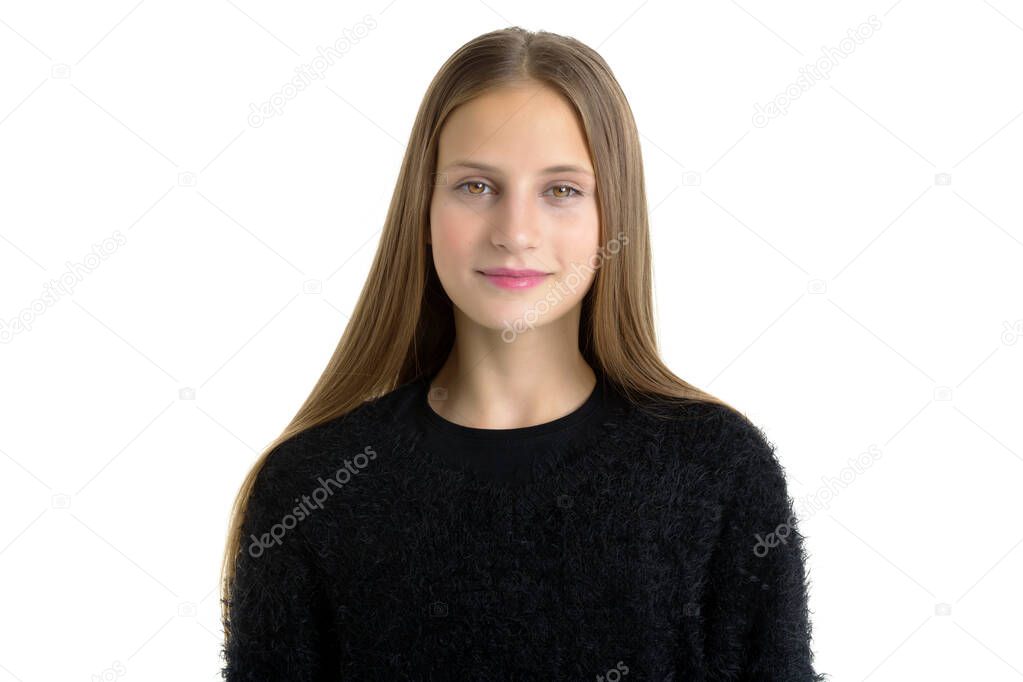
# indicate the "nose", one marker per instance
pixel 516 222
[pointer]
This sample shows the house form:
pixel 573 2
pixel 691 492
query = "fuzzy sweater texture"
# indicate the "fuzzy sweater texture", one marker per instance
pixel 607 545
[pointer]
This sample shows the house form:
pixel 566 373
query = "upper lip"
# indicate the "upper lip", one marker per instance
pixel 512 272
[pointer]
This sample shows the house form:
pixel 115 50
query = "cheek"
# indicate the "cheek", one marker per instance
pixel 579 234
pixel 451 232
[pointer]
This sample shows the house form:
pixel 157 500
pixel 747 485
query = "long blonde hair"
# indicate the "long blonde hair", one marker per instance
pixel 402 327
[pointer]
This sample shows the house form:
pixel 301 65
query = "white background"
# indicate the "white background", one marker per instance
pixel 819 272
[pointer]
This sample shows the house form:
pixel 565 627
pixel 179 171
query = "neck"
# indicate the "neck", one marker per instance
pixel 491 384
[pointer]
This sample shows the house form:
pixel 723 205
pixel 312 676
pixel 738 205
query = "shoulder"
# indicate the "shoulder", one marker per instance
pixel 720 439
pixel 747 463
pixel 732 465
pixel 319 450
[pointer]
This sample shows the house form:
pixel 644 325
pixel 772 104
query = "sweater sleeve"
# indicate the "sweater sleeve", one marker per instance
pixel 757 620
pixel 272 621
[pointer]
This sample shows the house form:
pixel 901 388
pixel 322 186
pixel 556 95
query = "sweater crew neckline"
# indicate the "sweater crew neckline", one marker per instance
pixel 515 456
pixel 520 434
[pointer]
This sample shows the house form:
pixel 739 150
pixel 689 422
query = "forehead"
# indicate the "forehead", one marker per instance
pixel 519 127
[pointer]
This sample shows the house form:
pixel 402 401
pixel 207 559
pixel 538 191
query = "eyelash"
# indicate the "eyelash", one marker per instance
pixel 578 193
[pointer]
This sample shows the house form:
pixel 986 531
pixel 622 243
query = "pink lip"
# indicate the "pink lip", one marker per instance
pixel 508 278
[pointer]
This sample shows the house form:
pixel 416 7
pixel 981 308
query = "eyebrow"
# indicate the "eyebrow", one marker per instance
pixel 561 168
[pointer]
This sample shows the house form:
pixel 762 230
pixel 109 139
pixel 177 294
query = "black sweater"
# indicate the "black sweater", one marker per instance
pixel 392 544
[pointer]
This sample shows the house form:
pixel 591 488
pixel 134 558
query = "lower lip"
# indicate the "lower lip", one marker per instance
pixel 515 282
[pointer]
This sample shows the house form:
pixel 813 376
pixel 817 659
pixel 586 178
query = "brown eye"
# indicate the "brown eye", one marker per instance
pixel 567 191
pixel 473 186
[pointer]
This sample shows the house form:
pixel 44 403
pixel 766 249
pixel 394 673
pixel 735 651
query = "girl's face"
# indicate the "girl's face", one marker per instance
pixel 514 189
